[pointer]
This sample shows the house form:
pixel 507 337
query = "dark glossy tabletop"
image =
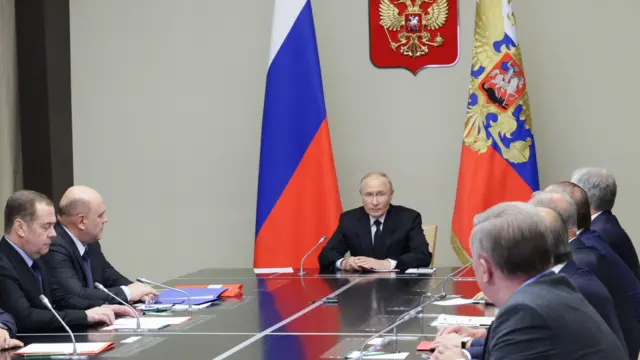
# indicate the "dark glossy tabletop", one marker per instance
pixel 278 316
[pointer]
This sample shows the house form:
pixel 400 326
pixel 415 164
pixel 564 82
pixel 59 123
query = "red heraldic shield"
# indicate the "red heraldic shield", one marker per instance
pixel 413 34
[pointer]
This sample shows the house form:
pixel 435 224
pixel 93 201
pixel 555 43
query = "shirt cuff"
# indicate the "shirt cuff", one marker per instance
pixel 338 263
pixel 393 263
pixel 7 329
pixel 127 293
pixel 466 354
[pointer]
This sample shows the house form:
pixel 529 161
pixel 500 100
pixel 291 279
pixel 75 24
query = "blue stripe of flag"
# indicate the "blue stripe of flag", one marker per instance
pixel 294 109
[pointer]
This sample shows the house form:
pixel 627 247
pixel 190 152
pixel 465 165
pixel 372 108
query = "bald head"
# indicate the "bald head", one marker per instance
pixel 82 211
pixel 558 201
pixel 580 199
pixel 558 235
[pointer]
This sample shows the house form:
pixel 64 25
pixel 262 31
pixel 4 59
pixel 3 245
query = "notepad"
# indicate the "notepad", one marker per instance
pixel 147 323
pixel 90 348
pixel 198 296
pixel 232 290
pixel 447 320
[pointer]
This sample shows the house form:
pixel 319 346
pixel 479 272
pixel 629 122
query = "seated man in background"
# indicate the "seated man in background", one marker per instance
pixel 75 259
pixel 379 235
pixel 541 316
pixel 602 189
pixel 8 331
pixel 585 282
pixel 29 218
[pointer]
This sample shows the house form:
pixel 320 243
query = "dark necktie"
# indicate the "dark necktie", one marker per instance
pixel 87 268
pixel 35 268
pixel 376 235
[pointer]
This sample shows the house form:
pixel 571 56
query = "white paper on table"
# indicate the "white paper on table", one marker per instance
pixel 377 355
pixel 272 270
pixel 420 271
pixel 63 348
pixel 185 307
pixel 149 323
pixel 131 339
pixel 447 320
pixel 458 301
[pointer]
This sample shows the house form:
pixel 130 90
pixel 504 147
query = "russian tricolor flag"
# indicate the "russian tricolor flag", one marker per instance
pixel 298 197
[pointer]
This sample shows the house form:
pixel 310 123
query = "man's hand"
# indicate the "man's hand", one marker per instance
pixel 364 262
pixel 448 352
pixel 139 290
pixel 462 331
pixel 349 264
pixel 447 339
pixel 120 310
pixel 100 315
pixel 6 342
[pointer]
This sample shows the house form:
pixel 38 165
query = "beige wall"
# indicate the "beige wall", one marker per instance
pixel 167 104
pixel 9 131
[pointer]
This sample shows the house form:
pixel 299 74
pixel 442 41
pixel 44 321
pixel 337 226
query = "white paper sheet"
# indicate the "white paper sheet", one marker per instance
pixel 428 271
pixel 378 355
pixel 458 301
pixel 149 323
pixel 272 270
pixel 131 339
pixel 447 320
pixel 63 348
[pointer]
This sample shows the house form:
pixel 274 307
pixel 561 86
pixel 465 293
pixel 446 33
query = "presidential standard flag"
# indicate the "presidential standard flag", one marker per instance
pixel 498 160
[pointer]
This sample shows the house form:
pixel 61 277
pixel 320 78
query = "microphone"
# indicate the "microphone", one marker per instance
pixel 99 286
pixel 322 239
pixel 402 319
pixel 444 282
pixel 75 355
pixel 149 282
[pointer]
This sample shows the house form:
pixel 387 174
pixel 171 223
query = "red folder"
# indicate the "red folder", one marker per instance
pixel 233 290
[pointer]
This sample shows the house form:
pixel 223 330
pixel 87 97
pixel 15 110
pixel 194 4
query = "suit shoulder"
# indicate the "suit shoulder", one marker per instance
pixel 352 213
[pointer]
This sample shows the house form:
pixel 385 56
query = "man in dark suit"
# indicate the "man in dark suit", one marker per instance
pixel 378 235
pixel 8 331
pixel 542 315
pixel 75 259
pixel 602 189
pixel 585 282
pixel 29 218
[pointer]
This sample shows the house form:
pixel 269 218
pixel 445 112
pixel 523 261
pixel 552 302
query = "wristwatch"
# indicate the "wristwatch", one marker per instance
pixel 464 341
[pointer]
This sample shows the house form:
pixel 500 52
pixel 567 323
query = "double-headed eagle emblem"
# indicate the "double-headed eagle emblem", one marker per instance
pixel 413 40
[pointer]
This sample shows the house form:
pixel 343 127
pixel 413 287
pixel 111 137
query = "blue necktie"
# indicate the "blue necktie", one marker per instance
pixel 35 268
pixel 87 268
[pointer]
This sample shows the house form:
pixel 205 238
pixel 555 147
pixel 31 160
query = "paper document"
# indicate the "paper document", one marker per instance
pixel 148 323
pixel 458 301
pixel 90 348
pixel 428 271
pixel 446 320
pixel 272 270
pixel 377 355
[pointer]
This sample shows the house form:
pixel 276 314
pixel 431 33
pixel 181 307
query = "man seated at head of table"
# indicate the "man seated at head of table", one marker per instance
pixel 378 235
pixel 542 315
pixel 29 218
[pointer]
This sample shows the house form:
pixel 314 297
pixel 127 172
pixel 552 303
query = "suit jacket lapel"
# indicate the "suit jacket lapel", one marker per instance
pixel 365 234
pixel 388 228
pixel 25 274
pixel 68 242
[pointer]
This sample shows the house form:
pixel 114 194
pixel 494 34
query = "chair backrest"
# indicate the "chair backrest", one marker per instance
pixel 431 233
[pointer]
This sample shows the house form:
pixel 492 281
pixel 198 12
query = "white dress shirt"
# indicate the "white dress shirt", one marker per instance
pixel 556 269
pixel 82 248
pixel 373 231
pixel 595 215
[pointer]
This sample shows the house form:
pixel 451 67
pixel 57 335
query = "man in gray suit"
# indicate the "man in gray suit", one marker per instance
pixel 542 315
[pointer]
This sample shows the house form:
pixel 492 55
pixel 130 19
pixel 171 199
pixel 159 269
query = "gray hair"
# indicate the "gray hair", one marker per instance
pixel 379 174
pixel 559 201
pixel 514 237
pixel 600 186
pixel 558 235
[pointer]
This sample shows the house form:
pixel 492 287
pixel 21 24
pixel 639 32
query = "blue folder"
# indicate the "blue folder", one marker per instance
pixel 198 296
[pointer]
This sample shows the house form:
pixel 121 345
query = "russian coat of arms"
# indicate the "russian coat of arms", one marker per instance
pixel 413 34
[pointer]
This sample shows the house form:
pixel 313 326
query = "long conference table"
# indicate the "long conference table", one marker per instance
pixel 279 317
